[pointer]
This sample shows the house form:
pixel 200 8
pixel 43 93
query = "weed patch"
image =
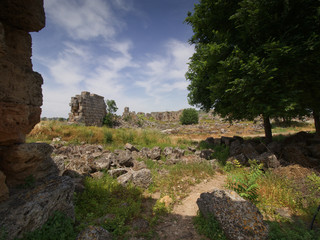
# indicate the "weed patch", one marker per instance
pixel 58 227
pixel 209 227
pixel 106 201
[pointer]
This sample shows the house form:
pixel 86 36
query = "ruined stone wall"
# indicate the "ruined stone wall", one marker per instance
pixel 89 109
pixel 20 86
pixel 172 116
pixel 20 101
pixel 169 116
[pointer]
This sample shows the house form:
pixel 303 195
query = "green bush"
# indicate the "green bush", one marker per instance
pixel 189 116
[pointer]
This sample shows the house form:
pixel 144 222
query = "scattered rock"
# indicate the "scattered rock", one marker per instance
pixel 130 147
pixel 142 178
pixel 238 218
pixel 125 179
pixel 124 158
pixel 101 164
pixel 166 200
pixel 117 172
pixel 155 153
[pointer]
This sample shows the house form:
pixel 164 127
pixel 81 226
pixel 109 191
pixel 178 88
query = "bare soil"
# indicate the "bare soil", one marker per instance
pixel 179 223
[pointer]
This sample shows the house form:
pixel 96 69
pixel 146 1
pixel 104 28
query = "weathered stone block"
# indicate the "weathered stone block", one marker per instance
pixel 23 160
pixel 27 15
pixel 239 219
pixel 30 209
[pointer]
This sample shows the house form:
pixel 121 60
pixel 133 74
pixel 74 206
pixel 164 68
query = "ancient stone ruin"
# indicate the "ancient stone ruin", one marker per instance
pixel 30 188
pixel 168 116
pixel 88 109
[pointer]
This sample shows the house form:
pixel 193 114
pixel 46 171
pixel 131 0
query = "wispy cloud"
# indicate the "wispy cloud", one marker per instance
pixel 166 73
pixel 83 19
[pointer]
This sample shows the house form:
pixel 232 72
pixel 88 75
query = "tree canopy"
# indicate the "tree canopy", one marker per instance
pixel 252 57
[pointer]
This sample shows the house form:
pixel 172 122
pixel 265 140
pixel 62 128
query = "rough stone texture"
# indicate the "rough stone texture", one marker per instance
pixel 168 116
pixel 26 14
pixel 171 116
pixel 4 192
pixel 269 160
pixel 20 161
pixel 239 219
pixel 30 209
pixel 88 109
pixel 142 178
pixel 94 233
pixel 20 87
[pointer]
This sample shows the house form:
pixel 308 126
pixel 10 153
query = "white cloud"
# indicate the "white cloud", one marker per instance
pixel 166 73
pixel 84 19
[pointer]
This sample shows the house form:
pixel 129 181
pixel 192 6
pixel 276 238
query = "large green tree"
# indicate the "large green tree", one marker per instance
pixel 245 64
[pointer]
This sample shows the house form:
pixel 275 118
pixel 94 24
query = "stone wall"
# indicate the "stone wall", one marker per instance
pixel 20 86
pixel 172 116
pixel 88 109
pixel 22 163
pixel 169 116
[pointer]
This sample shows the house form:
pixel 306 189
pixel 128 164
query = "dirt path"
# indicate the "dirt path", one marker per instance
pixel 178 224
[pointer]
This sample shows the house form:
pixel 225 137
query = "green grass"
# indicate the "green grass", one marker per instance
pixel 292 231
pixel 106 197
pixel 209 227
pixel 58 227
pixel 175 180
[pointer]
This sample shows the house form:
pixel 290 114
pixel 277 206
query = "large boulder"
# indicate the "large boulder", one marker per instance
pixel 269 160
pixel 21 161
pixel 239 218
pixel 4 192
pixel 30 209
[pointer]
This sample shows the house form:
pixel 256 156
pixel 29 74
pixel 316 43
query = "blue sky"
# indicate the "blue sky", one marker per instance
pixel 132 51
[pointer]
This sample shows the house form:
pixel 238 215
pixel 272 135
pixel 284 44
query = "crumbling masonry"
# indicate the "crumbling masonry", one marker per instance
pixel 88 109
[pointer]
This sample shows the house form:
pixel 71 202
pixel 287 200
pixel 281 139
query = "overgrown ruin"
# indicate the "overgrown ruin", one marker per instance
pixel 88 109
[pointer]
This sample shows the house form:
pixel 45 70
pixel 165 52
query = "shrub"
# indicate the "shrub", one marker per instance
pixel 189 116
pixel 245 182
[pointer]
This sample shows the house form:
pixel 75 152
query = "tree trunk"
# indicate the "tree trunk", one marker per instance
pixel 267 129
pixel 316 117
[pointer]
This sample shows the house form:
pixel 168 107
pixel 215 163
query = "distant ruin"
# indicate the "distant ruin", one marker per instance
pixel 168 116
pixel 88 109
